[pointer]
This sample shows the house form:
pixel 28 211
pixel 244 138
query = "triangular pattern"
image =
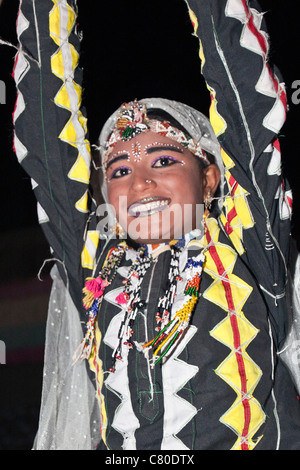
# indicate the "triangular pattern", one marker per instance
pixel 274 167
pixel 176 373
pixel 88 255
pixel 256 40
pixel 125 421
pixel 286 202
pixel 219 124
pixel 63 64
pixel 21 67
pixel 42 215
pixel 80 171
pixel 238 370
pixel 82 204
pixel 237 215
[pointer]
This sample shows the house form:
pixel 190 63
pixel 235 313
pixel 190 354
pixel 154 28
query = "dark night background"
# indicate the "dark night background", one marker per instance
pixel 131 49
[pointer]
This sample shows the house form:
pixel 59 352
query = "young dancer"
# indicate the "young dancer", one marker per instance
pixel 182 311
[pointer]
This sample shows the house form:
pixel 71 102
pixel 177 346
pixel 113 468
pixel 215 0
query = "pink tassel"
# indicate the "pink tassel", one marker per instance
pixel 96 286
pixel 122 298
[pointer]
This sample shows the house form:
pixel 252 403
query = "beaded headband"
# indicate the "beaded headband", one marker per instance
pixel 133 120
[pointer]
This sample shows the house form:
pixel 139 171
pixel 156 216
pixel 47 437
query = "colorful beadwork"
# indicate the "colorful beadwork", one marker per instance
pixel 169 329
pixel 170 333
pixel 93 295
pixel 131 295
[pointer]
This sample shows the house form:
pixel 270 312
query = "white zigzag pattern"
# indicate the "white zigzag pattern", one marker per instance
pixel 176 374
pixel 235 9
pixel 125 421
pixel 178 412
pixel 20 70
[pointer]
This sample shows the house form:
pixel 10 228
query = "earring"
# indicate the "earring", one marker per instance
pixel 118 230
pixel 208 200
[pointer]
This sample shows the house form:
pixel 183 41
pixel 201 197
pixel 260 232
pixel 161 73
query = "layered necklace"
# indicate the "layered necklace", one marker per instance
pixel 170 326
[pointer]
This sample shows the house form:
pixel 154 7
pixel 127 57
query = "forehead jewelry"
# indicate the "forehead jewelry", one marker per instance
pixel 136 151
pixel 167 145
pixel 132 120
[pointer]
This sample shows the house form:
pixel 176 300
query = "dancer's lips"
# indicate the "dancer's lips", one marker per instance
pixel 148 206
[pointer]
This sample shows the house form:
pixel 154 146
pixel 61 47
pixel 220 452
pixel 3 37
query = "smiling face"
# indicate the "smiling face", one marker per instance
pixel 156 187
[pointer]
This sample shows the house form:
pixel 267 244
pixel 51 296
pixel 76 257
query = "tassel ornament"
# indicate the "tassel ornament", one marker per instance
pixel 94 289
pixel 93 295
pixel 85 348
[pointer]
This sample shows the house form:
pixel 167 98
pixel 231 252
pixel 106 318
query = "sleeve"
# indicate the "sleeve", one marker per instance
pixel 50 133
pixel 247 111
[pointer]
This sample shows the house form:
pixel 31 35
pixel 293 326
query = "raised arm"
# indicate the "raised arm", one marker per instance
pixel 50 129
pixel 248 98
pixel 248 109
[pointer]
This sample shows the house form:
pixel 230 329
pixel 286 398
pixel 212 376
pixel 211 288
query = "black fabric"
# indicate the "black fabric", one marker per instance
pixel 245 141
pixel 211 396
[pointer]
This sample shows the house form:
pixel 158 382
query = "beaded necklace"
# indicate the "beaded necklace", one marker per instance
pixel 170 329
pixel 93 296
pixel 131 296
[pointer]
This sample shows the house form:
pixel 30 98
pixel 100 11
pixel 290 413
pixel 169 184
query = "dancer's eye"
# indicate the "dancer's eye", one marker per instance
pixel 164 161
pixel 119 172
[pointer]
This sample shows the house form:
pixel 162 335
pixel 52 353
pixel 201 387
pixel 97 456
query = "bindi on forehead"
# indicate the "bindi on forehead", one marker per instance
pixel 136 150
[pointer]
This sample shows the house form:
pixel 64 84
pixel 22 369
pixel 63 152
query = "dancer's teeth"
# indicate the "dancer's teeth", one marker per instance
pixel 149 206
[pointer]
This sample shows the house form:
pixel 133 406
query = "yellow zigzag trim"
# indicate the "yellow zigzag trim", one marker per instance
pixel 63 63
pixel 243 219
pixel 236 215
pixel 227 332
pixel 218 123
pixel 88 255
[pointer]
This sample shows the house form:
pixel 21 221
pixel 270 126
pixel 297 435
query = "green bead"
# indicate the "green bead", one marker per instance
pixel 127 133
